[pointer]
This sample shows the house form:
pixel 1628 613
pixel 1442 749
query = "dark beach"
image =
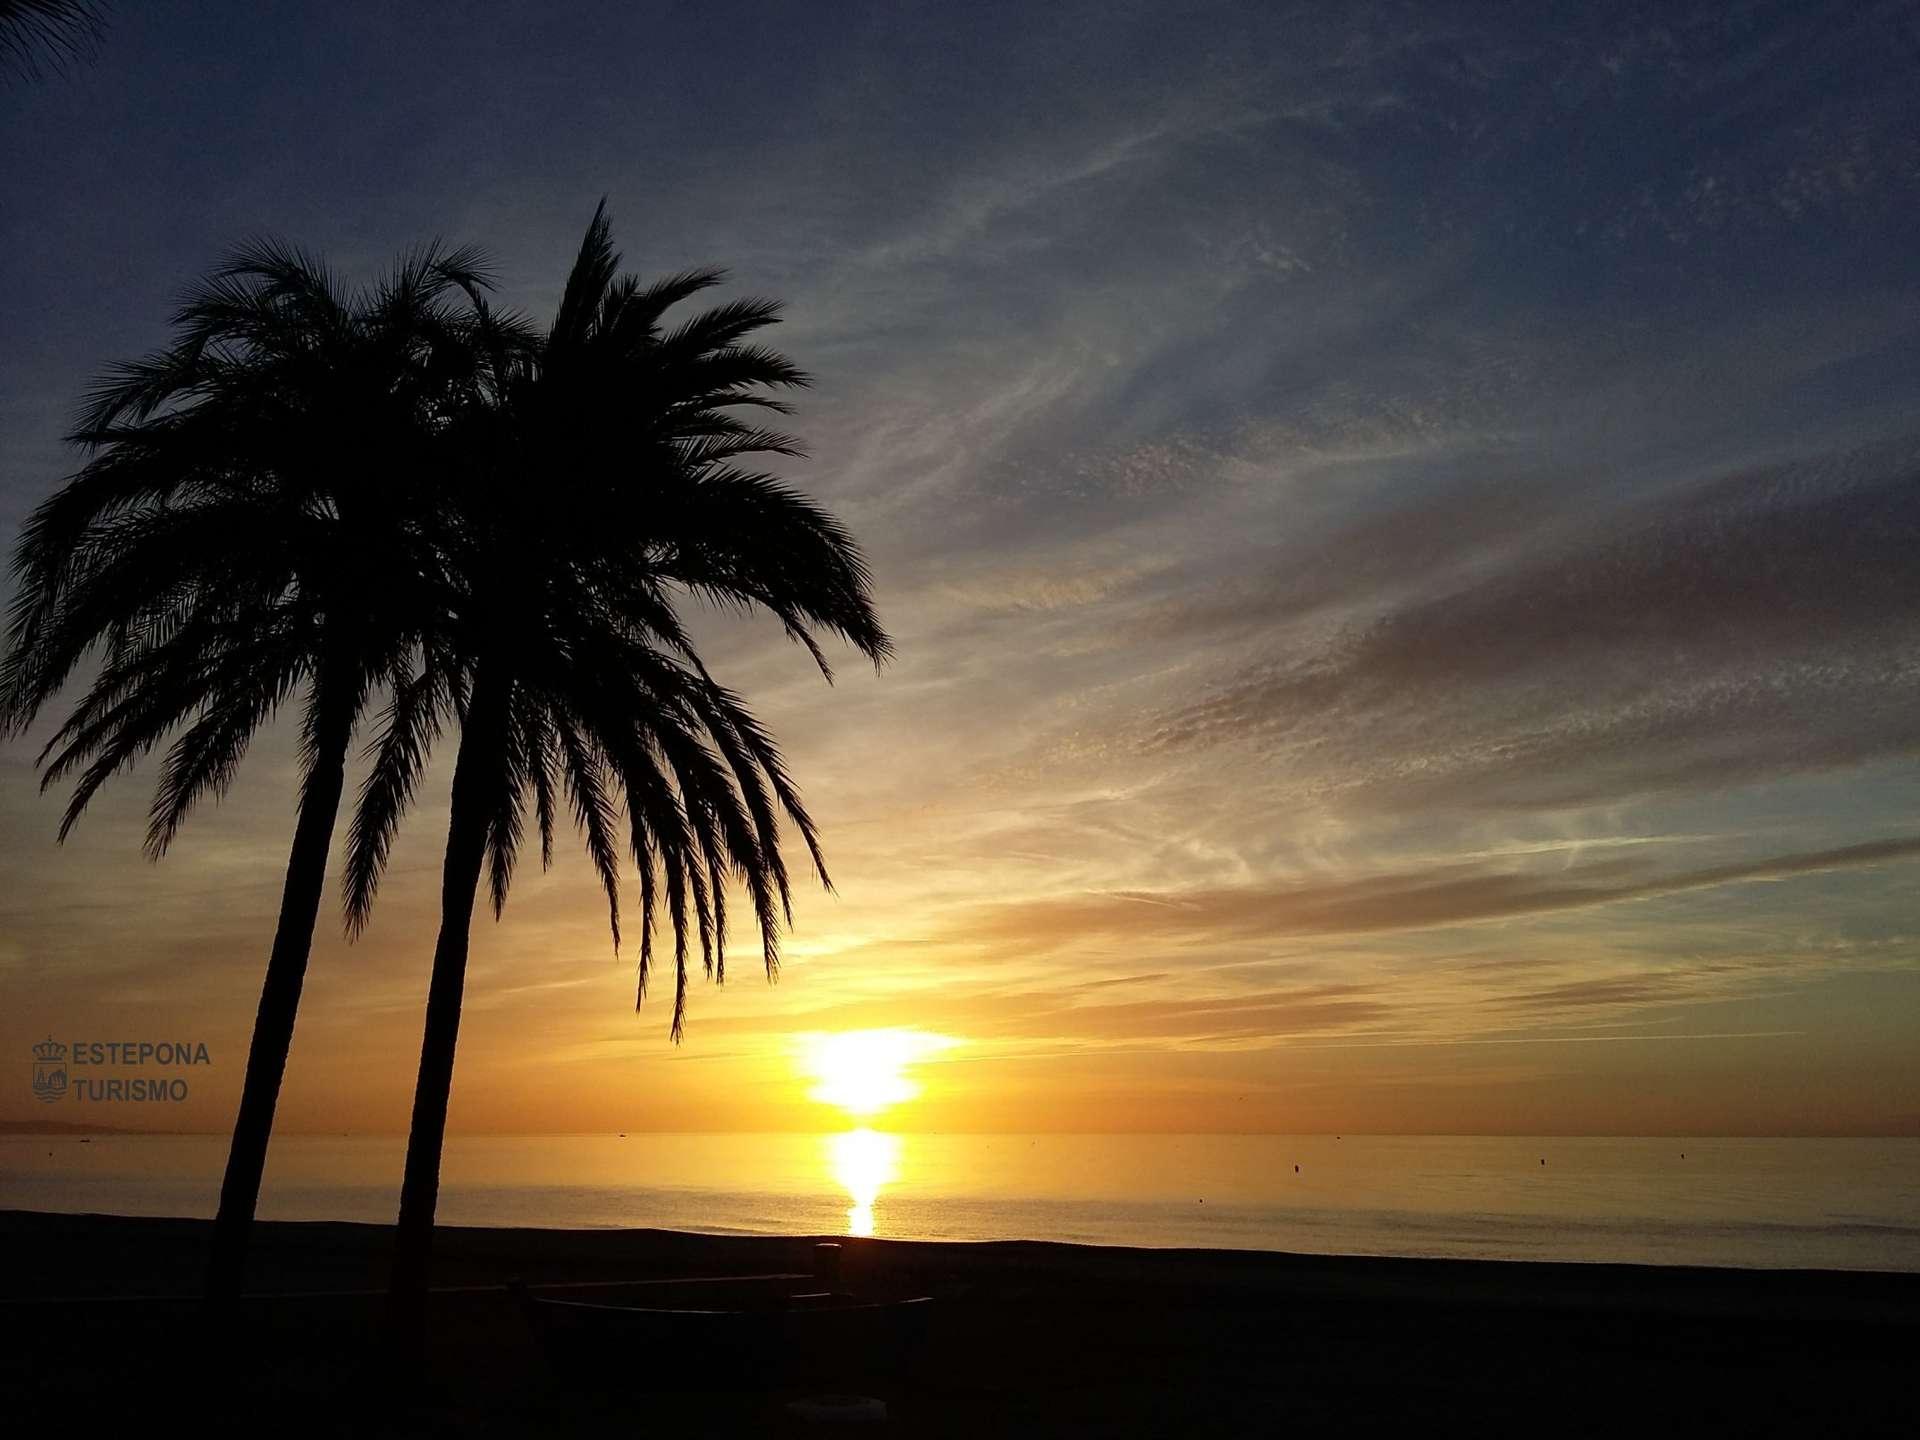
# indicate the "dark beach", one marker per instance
pixel 1025 1339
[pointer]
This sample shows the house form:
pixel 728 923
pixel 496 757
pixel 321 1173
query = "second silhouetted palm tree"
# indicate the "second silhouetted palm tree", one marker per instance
pixel 604 491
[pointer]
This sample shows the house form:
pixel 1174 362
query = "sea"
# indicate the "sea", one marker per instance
pixel 1851 1204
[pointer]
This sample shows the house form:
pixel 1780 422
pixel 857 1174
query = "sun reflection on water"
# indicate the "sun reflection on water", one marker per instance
pixel 863 1162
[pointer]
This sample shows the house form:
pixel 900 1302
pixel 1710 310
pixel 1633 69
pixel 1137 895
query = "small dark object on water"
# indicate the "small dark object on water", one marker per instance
pixel 1543 1160
pixel 839 1410
pixel 1296 1169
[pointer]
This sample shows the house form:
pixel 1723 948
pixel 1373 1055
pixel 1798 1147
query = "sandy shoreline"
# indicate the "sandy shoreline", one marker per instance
pixel 1029 1338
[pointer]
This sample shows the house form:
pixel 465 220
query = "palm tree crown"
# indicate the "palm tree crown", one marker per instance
pixel 603 488
pixel 258 515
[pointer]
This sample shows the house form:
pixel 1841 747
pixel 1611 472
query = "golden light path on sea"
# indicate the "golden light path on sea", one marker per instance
pixel 864 1072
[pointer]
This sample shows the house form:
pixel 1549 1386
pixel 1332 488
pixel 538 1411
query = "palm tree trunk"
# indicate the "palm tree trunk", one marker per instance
pixel 280 996
pixel 474 792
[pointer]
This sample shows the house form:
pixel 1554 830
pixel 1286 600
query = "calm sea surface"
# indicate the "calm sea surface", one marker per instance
pixel 1852 1204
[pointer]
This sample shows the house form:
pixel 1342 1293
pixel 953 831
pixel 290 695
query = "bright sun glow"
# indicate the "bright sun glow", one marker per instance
pixel 865 1071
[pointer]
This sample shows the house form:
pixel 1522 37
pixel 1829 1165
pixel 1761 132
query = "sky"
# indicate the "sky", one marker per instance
pixel 1397 521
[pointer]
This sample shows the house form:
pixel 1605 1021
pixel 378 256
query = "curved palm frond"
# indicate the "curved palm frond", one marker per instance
pixel 416 710
pixel 39 38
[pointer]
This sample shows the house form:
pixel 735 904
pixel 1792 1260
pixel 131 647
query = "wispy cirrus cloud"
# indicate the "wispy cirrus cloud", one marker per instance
pixel 1754 626
pixel 1405 900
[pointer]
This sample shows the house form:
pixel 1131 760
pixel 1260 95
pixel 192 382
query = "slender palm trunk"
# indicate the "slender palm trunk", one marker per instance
pixel 280 996
pixel 474 791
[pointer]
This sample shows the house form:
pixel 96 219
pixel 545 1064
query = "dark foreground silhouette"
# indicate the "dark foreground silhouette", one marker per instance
pixel 1022 1339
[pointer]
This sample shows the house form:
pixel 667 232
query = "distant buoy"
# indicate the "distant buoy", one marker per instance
pixel 1543 1160
pixel 1296 1169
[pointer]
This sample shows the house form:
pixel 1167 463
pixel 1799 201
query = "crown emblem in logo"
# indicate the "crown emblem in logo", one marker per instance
pixel 49 1070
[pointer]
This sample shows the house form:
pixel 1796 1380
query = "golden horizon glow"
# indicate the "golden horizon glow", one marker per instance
pixel 864 1072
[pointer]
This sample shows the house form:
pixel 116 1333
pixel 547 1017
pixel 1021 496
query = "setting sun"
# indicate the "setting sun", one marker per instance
pixel 865 1071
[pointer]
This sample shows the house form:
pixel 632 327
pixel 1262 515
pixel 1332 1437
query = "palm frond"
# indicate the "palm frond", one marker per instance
pixel 39 38
pixel 410 724
pixel 587 282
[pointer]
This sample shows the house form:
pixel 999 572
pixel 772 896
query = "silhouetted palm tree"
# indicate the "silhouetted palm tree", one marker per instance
pixel 260 516
pixel 606 491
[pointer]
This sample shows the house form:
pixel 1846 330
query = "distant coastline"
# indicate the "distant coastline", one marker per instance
pixel 74 1127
